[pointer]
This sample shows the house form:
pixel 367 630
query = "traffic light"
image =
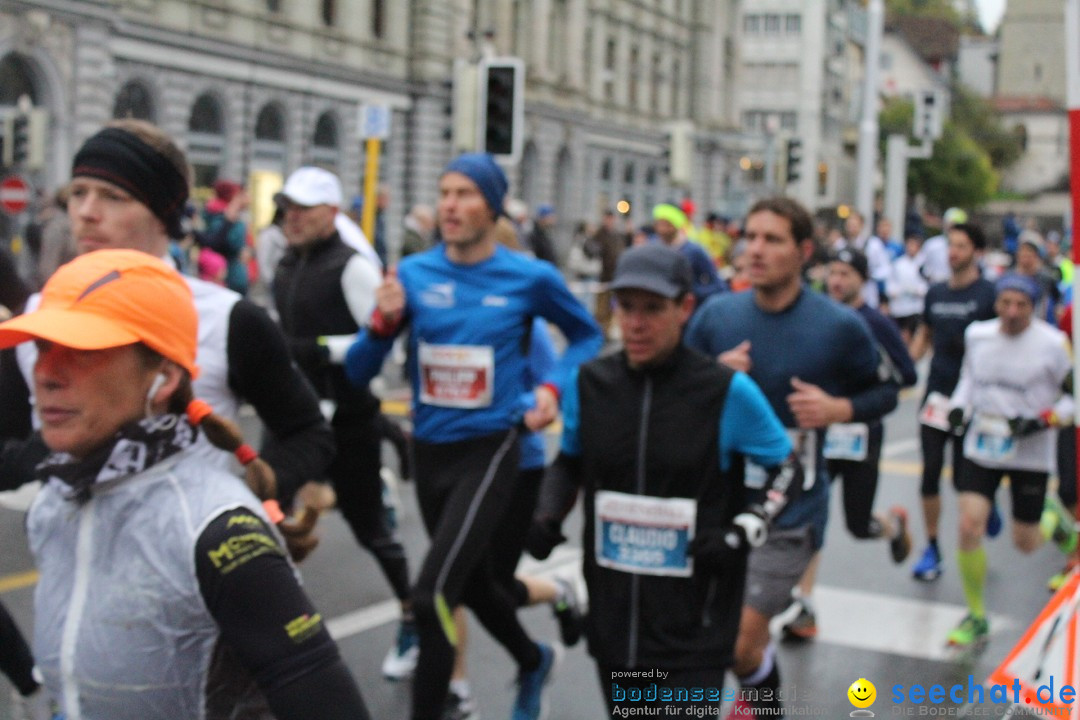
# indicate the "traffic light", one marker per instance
pixel 20 139
pixel 501 115
pixel 794 160
pixel 680 153
pixel 929 115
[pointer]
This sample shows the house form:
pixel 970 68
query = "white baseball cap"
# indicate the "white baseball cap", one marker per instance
pixel 310 186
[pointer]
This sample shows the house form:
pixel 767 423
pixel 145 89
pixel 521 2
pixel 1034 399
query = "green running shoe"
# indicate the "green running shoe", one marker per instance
pixel 971 631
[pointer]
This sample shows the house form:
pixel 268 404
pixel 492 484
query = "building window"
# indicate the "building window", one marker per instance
pixel 655 81
pixel 325 148
pixel 609 70
pixel 772 24
pixel 1038 72
pixel 273 6
pixel 378 18
pixel 789 121
pixel 15 80
pixel 206 139
pixel 329 12
pixel 558 22
pixel 134 101
pixel 1021 133
pixel 793 24
pixel 752 24
pixel 270 125
pixel 606 170
pixel 628 173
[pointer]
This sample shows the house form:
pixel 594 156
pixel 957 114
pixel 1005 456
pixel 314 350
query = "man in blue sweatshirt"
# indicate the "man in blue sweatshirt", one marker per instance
pixel 817 365
pixel 469 304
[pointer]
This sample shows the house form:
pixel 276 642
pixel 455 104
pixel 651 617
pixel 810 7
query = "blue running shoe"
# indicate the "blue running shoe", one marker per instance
pixel 993 523
pixel 529 704
pixel 928 568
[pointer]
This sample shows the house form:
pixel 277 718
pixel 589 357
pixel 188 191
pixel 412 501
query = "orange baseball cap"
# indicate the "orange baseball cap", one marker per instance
pixel 110 298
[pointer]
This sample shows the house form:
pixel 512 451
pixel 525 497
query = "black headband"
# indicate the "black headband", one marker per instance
pixel 123 159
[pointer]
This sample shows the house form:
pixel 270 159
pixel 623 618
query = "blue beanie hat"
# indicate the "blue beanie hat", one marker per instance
pixel 488 176
pixel 1020 283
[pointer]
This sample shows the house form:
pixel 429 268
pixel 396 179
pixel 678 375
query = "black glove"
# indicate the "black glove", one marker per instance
pixel 956 421
pixel 1023 426
pixel 542 537
pixel 715 550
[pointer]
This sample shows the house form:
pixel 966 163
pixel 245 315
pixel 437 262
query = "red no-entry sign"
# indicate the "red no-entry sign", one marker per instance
pixel 14 195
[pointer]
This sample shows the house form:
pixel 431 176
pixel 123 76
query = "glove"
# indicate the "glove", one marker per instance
pixel 715 550
pixel 956 421
pixel 1022 426
pixel 542 537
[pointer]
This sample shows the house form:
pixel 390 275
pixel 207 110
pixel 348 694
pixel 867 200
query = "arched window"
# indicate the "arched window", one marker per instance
pixel 270 125
pixel 206 139
pixel 15 80
pixel 325 148
pixel 269 146
pixel 134 101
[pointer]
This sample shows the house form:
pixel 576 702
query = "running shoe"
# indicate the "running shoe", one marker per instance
pixel 400 660
pixel 972 630
pixel 1057 524
pixel 900 543
pixel 1058 579
pixel 929 566
pixel 803 626
pixel 36 706
pixel 529 704
pixel 993 523
pixel 459 707
pixel 567 612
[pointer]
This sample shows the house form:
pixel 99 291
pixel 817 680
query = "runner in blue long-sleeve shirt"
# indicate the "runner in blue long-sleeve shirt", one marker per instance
pixel 469 306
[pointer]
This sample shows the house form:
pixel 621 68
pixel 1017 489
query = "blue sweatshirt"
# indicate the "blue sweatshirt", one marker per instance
pixel 468 340
pixel 814 339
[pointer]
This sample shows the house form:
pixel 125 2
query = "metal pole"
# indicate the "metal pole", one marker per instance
pixel 896 164
pixel 868 125
pixel 371 183
pixel 1072 90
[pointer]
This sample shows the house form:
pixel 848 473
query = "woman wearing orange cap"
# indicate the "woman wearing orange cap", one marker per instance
pixel 165 592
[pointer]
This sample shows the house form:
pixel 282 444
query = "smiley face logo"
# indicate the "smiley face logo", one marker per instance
pixel 862 693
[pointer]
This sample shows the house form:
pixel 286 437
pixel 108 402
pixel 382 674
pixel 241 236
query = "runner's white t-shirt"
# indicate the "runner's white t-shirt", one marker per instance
pixel 1005 376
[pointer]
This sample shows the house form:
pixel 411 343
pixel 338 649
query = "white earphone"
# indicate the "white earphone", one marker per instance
pixel 159 380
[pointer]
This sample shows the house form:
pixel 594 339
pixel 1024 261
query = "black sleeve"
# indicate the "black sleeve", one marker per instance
pixel 267 620
pixel 300 444
pixel 15 406
pixel 18 458
pixel 13 290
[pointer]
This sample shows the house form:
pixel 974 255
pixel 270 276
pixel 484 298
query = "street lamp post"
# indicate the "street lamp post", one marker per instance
pixel 868 125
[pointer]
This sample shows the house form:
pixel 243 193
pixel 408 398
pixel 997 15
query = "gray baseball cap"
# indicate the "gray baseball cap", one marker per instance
pixel 655 268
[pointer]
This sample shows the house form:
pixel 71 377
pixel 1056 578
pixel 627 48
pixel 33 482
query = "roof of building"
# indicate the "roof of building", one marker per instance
pixel 1025 104
pixel 934 39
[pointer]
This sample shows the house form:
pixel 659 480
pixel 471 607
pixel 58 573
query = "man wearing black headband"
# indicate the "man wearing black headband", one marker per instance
pixel 119 174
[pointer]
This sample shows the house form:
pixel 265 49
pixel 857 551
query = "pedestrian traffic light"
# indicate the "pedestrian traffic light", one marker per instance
pixel 501 107
pixel 794 160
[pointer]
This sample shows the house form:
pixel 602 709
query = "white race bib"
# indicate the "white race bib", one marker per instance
pixel 935 412
pixel 992 439
pixel 847 441
pixel 456 376
pixel 644 535
pixel 804 445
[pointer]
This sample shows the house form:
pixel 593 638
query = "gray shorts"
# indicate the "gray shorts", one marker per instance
pixel 776 567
